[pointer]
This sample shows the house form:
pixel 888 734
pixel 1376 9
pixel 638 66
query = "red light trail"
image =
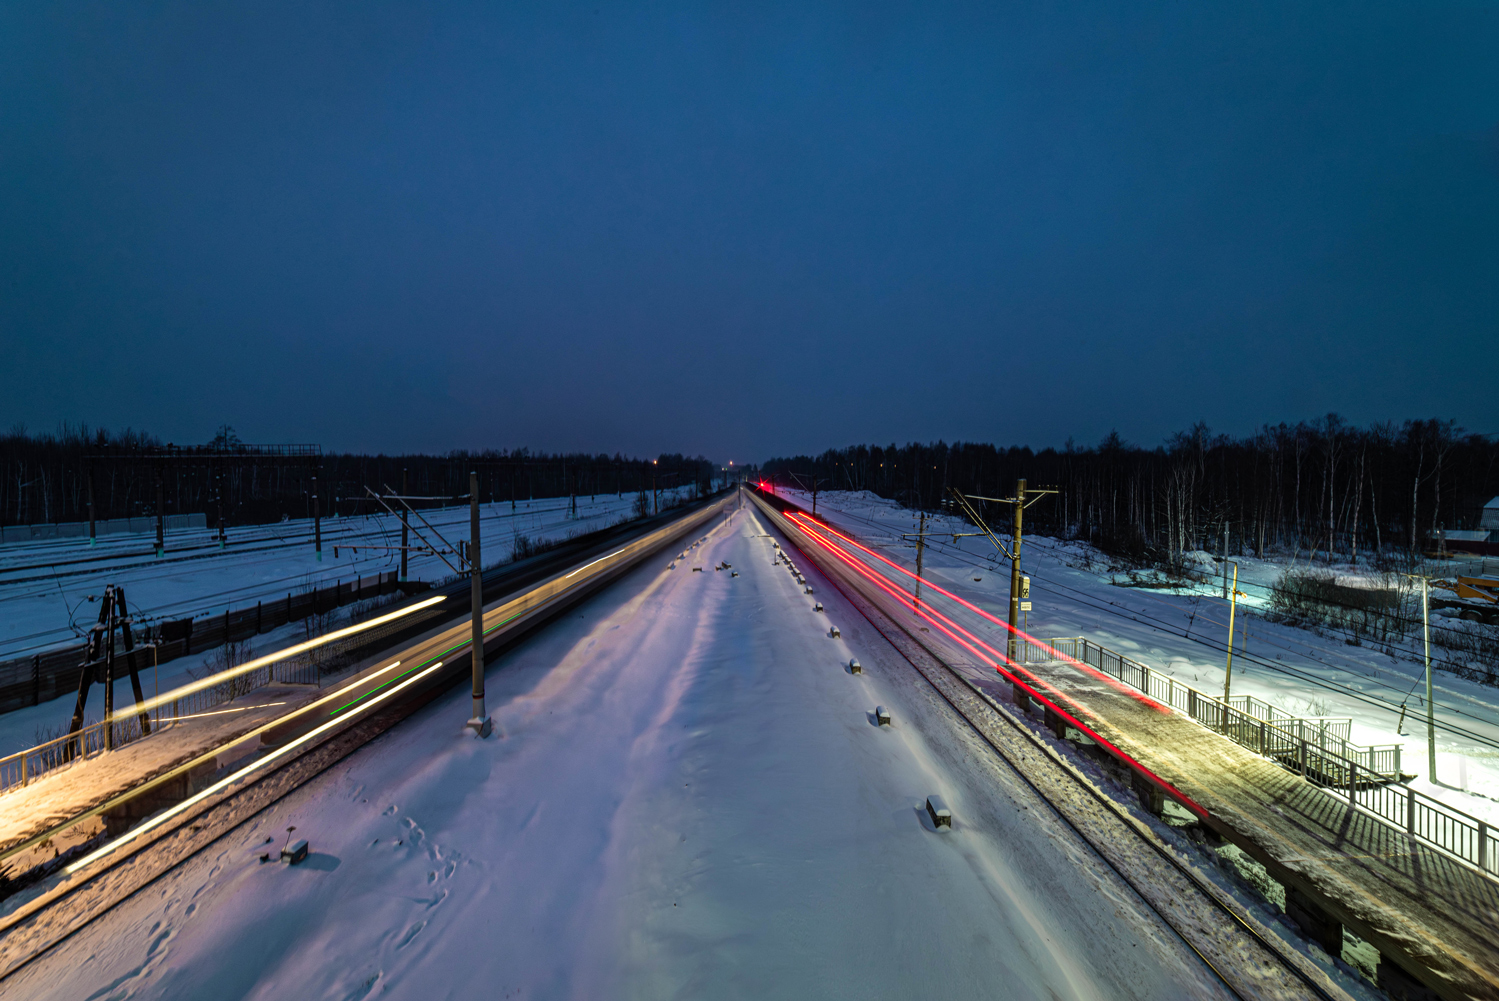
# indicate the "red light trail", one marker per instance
pixel 986 654
pixel 1114 683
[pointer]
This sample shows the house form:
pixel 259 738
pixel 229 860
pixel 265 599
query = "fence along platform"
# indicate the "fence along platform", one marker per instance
pixel 1320 753
pixel 1433 914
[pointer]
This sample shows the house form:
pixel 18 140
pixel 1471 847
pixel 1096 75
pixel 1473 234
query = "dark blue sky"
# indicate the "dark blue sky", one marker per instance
pixel 743 229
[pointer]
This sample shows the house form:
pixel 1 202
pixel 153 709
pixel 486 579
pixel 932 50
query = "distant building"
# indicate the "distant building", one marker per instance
pixel 1484 541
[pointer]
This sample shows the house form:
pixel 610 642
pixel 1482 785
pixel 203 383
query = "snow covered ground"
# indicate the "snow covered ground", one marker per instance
pixel 44 584
pixel 1073 594
pixel 686 797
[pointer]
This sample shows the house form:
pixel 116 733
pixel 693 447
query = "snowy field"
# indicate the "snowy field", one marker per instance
pixel 44 585
pixel 1183 635
pixel 686 796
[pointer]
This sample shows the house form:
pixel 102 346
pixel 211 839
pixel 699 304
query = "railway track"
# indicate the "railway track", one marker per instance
pixel 38 918
pixel 1245 955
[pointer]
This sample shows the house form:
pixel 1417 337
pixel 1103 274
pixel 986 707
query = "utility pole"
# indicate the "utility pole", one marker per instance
pixel 317 522
pixel 1019 585
pixel 91 504
pixel 1228 674
pixel 480 723
pixel 100 653
pixel 405 526
pixel 109 674
pixel 655 497
pixel 1225 564
pixel 1431 715
pixel 161 539
pixel 920 537
pixel 218 489
pixel 1019 506
pixel 815 483
pixel 920 546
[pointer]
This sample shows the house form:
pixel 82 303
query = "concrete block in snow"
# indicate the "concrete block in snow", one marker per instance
pixel 854 667
pixel 834 633
pixel 882 715
pixel 938 811
pixel 817 606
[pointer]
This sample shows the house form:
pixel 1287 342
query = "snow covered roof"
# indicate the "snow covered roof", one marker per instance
pixel 1490 517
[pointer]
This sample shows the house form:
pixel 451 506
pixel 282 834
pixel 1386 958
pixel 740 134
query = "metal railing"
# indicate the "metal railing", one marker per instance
pixel 24 767
pixel 1367 778
pixel 311 668
pixel 1246 720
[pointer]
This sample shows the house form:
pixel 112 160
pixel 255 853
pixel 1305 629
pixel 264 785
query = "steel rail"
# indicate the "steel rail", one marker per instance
pixel 865 604
pixel 1217 646
pixel 363 711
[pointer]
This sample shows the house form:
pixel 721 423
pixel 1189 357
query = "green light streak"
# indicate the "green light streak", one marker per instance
pixel 442 656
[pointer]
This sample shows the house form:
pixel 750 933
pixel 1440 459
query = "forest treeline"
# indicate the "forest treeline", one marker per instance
pixel 44 477
pixel 1323 486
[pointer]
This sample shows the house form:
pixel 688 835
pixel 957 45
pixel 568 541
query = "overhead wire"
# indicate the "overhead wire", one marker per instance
pixel 1096 604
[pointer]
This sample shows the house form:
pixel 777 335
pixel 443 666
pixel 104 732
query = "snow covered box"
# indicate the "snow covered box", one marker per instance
pixel 881 716
pixel 938 811
pixel 295 852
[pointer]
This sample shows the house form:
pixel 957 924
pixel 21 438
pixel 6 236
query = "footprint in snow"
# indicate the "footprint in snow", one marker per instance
pixel 411 933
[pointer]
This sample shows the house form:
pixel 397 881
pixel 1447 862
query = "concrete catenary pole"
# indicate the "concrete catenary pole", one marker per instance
pixel 1015 569
pixel 405 524
pixel 91 522
pixel 920 548
pixel 161 537
pixel 317 522
pixel 479 723
pixel 1228 673
pixel 1431 714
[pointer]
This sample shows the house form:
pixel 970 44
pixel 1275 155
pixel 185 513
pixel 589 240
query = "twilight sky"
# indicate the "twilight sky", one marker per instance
pixel 745 229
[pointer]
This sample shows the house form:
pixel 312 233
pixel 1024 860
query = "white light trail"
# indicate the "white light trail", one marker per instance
pixel 271 658
pixel 228 781
pixel 599 560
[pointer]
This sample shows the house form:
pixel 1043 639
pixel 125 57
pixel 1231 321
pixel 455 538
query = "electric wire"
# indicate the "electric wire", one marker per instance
pixel 1106 803
pixel 1090 601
